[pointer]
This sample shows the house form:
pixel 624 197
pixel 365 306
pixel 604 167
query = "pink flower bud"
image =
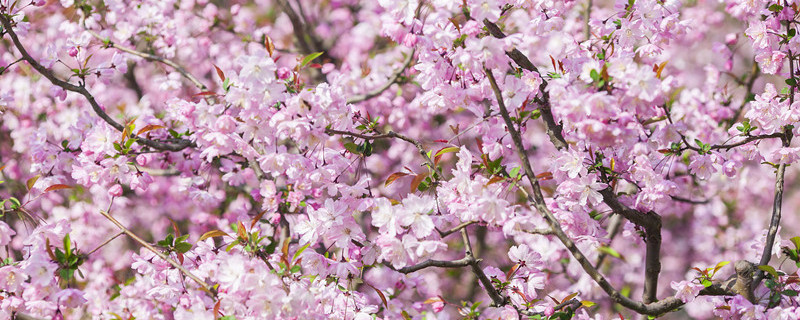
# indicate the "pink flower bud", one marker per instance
pixel 115 190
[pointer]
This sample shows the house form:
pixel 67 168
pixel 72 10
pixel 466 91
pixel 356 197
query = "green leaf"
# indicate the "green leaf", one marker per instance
pixel 775 8
pixel 791 82
pixel 309 58
pixel 66 274
pixel 447 150
pixel 610 251
pixel 796 242
pixel 352 147
pixel 514 172
pixel 300 251
pixel 706 283
pixel 594 75
pixel 15 203
pixel 770 270
pixel 183 247
pixel 791 293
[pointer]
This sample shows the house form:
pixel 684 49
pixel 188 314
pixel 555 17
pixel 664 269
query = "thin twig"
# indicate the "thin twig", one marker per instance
pixel 158 253
pixel 106 242
pixel 152 57
pixel 177 146
pixel 392 80
pixel 463 262
pixel 554 130
pixel 389 135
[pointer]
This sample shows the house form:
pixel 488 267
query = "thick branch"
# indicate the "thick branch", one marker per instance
pixel 655 308
pixel 169 146
pixel 651 222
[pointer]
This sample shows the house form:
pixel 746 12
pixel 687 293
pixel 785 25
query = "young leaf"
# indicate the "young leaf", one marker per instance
pixel 269 45
pixel 212 233
pixel 309 58
pixel 394 176
pixel 220 74
pixel 417 180
pixel 148 128
pixel 32 181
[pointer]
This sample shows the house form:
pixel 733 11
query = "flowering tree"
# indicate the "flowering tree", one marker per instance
pixel 492 159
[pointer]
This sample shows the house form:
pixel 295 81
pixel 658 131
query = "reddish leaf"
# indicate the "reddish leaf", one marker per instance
pixel 175 228
pixel 380 294
pixel 148 128
pixel 212 233
pixel 512 270
pixel 206 93
pixel 417 180
pixel 49 249
pixel 495 179
pixel 545 176
pixel 269 45
pixel 569 297
pixel 220 73
pixel 240 231
pixel 216 309
pixel 180 257
pixel 256 218
pixel 433 300
pixel 57 187
pixel 285 251
pixel 394 176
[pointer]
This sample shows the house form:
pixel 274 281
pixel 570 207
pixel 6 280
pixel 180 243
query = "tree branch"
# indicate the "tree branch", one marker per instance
pixel 463 262
pixel 392 80
pixel 168 146
pixel 554 130
pixel 456 228
pixel 389 135
pixel 654 308
pixel 151 57
pixel 158 253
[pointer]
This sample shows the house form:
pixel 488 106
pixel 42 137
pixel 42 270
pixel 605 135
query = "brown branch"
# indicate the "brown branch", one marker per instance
pixel 463 262
pixel 389 135
pixel 455 229
pixel 106 242
pixel 756 72
pixel 735 144
pixel 151 57
pixel 651 222
pixel 497 298
pixel 392 80
pixel 541 231
pixel 158 253
pixel 168 146
pixel 554 130
pixel 536 197
pixel 22 316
